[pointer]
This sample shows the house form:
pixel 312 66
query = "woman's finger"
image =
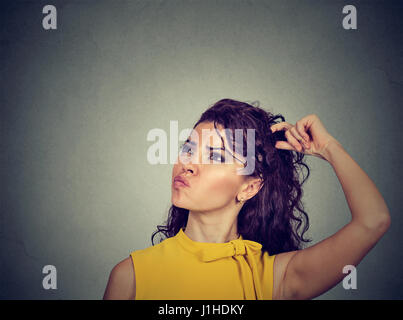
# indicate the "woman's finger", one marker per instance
pixel 284 145
pixel 280 126
pixel 292 143
pixel 292 140
pixel 300 137
pixel 302 130
pixel 296 135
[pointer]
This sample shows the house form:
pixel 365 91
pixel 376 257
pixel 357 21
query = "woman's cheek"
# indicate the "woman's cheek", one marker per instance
pixel 220 183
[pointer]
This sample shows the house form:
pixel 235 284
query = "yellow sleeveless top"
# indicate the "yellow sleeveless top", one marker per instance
pixel 179 268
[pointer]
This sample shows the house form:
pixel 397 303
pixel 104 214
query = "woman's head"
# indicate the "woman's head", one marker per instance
pixel 212 168
pixel 272 213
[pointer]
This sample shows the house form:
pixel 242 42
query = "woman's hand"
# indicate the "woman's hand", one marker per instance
pixel 308 136
pixel 312 271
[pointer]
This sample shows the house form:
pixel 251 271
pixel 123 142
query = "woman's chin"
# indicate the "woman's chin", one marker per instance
pixel 178 203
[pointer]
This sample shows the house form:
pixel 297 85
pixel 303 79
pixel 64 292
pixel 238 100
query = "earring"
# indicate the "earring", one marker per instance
pixel 241 200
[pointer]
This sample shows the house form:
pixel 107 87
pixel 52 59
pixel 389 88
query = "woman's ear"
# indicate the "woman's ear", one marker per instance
pixel 250 188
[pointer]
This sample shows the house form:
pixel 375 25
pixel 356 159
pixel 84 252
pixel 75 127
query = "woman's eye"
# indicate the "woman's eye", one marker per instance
pixel 216 156
pixel 185 148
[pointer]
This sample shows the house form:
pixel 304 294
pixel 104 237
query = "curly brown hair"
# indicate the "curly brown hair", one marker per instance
pixel 275 216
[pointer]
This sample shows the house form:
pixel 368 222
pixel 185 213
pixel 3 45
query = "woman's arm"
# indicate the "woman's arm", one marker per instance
pixel 366 204
pixel 314 270
pixel 122 282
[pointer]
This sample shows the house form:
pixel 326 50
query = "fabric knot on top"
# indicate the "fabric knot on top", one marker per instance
pixel 242 251
pixel 238 247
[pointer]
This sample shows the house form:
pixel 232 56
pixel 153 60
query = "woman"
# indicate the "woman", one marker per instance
pixel 240 236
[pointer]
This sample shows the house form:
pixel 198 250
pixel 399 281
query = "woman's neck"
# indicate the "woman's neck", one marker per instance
pixel 207 227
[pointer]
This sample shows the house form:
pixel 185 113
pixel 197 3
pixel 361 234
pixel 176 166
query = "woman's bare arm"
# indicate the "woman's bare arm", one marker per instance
pixel 314 270
pixel 122 282
pixel 305 274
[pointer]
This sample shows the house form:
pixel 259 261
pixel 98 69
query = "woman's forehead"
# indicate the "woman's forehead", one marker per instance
pixel 206 133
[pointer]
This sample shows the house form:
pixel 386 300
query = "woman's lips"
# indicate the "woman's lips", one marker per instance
pixel 180 182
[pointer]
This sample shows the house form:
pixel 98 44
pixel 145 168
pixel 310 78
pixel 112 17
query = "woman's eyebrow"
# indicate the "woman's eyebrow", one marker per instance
pixel 190 142
pixel 207 147
pixel 216 148
pixel 213 148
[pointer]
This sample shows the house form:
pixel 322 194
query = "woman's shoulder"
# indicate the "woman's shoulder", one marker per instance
pixel 122 281
pixel 124 267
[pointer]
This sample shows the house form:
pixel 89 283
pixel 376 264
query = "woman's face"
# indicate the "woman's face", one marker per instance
pixel 213 184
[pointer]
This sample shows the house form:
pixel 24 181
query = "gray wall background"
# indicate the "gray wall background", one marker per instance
pixel 77 103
